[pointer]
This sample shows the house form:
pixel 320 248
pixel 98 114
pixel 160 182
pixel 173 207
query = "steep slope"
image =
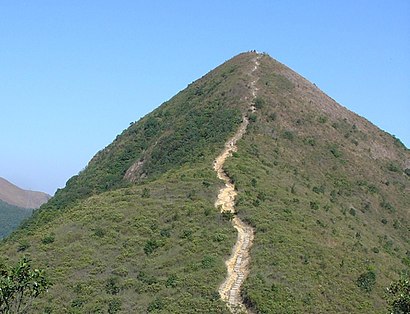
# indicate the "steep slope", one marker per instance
pixel 10 217
pixel 14 195
pixel 148 238
pixel 328 197
pixel 325 191
pixel 186 129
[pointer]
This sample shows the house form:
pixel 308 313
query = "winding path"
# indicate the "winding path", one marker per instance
pixel 238 263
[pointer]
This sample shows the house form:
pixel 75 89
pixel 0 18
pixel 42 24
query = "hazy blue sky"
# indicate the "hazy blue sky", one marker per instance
pixel 74 74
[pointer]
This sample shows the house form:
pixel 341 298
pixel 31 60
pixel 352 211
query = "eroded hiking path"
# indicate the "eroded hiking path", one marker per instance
pixel 238 263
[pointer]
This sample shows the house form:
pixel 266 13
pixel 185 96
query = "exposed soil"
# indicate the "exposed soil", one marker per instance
pixel 238 263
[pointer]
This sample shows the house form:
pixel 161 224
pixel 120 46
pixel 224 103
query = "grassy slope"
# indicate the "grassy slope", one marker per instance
pixel 11 217
pixel 159 245
pixel 186 129
pixel 324 208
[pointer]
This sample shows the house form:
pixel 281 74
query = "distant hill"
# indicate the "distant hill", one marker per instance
pixel 10 217
pixel 325 191
pixel 14 195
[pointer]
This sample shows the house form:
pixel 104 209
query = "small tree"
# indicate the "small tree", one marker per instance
pixel 398 296
pixel 20 285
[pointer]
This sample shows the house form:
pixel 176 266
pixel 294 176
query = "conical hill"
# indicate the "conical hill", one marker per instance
pixel 325 191
pixel 188 128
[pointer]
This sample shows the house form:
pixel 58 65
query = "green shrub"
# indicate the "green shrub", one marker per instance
pixel 392 166
pixel 272 116
pixel 218 237
pixel 172 281
pixel 261 196
pixel 112 286
pixel 187 234
pixel 165 233
pixel 322 119
pixel 48 239
pixel 259 103
pixel 150 246
pixel 77 302
pixel 208 262
pixel 314 205
pixel 372 188
pixel 398 296
pixel 406 261
pixel 145 193
pixel 375 250
pixel 99 232
pixel 335 151
pixel 366 281
pixel 146 278
pixel 288 135
pixel 320 223
pixel 206 184
pixel 253 117
pixel 157 304
pixel 23 245
pixel 386 205
pixel 114 306
pixel 310 141
pixel 319 189
pixel 228 215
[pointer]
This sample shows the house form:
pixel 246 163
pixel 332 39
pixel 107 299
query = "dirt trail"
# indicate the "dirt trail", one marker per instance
pixel 238 263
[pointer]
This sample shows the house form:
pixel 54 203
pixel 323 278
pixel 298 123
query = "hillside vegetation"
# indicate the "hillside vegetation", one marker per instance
pixel 11 217
pixel 327 194
pixel 189 128
pixel 137 231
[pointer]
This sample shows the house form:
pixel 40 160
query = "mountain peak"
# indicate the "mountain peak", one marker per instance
pixel 319 192
pixel 189 125
pixel 14 195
